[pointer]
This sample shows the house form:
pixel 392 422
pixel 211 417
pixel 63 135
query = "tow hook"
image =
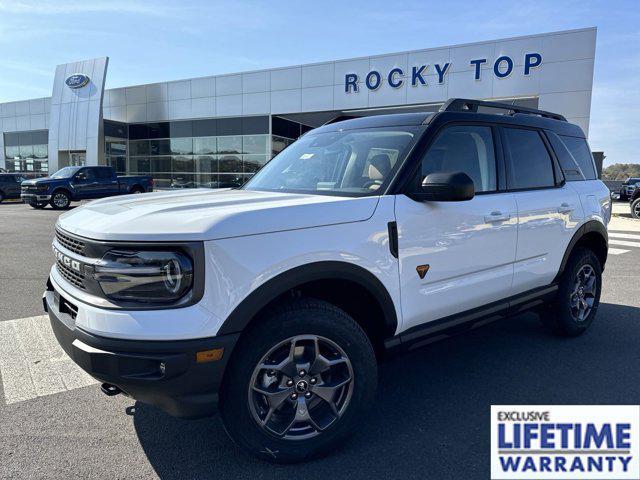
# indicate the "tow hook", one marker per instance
pixel 110 390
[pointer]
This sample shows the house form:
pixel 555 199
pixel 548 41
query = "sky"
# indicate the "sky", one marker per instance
pixel 151 41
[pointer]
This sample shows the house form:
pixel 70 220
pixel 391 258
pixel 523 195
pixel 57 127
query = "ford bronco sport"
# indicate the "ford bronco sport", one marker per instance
pixel 273 301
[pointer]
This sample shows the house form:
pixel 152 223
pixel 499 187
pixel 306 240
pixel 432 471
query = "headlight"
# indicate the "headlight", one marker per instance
pixel 144 276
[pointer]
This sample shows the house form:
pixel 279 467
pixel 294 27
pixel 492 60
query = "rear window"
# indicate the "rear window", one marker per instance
pixel 582 155
pixel 530 164
pixel 570 168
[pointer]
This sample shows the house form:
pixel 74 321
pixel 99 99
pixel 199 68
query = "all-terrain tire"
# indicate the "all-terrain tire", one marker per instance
pixel 565 315
pixel 306 318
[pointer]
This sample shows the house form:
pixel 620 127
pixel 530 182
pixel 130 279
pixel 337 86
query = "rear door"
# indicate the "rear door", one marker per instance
pixel 549 210
pixel 456 256
pixel 107 182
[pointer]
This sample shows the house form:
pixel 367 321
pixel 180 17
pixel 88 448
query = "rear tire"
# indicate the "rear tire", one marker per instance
pixel 318 406
pixel 635 208
pixel 60 200
pixel 575 307
pixel 135 190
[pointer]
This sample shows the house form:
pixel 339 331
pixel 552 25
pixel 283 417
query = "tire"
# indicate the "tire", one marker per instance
pixel 1 197
pixel 565 315
pixel 137 190
pixel 38 206
pixel 309 323
pixel 635 208
pixel 60 200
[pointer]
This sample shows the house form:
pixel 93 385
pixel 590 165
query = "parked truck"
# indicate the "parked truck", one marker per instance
pixel 71 184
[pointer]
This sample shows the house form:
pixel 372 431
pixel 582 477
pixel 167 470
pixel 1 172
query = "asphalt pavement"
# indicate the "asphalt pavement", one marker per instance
pixel 430 419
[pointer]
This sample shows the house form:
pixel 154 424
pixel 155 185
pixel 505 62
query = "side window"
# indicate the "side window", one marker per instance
pixel 103 174
pixel 570 168
pixel 463 148
pixel 89 174
pixel 582 155
pixel 530 165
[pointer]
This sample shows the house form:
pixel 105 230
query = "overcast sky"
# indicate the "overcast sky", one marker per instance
pixel 153 41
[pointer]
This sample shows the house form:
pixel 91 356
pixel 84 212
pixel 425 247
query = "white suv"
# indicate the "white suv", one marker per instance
pixel 274 301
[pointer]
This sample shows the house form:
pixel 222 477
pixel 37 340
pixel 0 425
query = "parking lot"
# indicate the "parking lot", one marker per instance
pixel 431 414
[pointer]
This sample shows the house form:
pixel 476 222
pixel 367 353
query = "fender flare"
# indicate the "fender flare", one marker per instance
pixel 585 228
pixel 290 279
pixel 64 189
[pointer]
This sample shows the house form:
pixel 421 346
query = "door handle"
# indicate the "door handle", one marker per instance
pixel 565 208
pixel 496 217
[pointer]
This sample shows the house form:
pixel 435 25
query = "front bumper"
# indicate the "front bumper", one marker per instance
pixel 34 198
pixel 162 373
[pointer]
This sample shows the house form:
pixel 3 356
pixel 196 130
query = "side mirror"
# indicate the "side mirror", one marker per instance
pixel 445 187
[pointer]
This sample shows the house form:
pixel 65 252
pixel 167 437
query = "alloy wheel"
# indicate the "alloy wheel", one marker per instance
pixel 60 200
pixel 583 294
pixel 301 387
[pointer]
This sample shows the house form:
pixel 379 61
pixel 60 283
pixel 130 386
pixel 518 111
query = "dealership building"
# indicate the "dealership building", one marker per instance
pixel 218 130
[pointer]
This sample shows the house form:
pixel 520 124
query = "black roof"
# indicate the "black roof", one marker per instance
pixel 458 110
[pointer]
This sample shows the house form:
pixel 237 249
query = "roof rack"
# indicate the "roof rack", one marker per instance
pixel 466 105
pixel 340 118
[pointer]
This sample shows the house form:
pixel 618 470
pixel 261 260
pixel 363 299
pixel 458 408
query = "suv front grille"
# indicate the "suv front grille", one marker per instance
pixel 70 275
pixel 76 246
pixel 30 189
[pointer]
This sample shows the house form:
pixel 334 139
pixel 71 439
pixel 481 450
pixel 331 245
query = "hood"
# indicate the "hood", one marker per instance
pixel 205 214
pixel 39 181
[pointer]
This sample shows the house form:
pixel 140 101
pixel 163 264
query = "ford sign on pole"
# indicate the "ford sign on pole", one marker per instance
pixel 77 80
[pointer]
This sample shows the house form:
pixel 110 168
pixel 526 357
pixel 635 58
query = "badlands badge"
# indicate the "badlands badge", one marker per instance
pixel 565 442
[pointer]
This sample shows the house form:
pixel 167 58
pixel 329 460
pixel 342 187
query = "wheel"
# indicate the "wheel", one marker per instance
pixel 299 382
pixel 635 208
pixel 576 304
pixel 38 206
pixel 60 200
pixel 136 190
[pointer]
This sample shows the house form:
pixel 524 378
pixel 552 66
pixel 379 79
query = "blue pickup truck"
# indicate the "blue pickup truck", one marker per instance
pixel 80 183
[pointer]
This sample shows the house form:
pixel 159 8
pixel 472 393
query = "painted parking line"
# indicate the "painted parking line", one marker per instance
pixel 617 251
pixel 624 243
pixel 628 236
pixel 32 364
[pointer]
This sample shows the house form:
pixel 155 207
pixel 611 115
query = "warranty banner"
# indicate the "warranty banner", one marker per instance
pixel 565 442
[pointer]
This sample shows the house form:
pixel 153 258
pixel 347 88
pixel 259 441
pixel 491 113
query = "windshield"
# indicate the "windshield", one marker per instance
pixel 66 172
pixel 351 163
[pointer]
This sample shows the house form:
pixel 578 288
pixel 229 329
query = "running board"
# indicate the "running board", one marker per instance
pixel 446 327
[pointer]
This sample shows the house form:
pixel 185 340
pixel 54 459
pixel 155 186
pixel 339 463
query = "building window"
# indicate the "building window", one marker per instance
pixel 27 151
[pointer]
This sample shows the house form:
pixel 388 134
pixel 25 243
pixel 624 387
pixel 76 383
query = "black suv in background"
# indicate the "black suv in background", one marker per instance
pixel 10 185
pixel 628 188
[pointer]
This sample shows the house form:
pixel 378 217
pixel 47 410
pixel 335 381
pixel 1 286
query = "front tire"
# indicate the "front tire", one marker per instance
pixel 299 382
pixel 60 200
pixel 635 208
pixel 576 304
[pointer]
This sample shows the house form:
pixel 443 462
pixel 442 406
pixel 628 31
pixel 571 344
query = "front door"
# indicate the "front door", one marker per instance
pixel 455 256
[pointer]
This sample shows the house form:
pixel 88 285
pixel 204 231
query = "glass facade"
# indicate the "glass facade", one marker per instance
pixel 222 152
pixel 27 151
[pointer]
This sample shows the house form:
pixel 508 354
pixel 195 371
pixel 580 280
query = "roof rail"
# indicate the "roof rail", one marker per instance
pixel 340 118
pixel 466 105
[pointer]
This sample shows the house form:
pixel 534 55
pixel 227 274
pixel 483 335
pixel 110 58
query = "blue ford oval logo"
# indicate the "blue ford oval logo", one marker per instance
pixel 77 80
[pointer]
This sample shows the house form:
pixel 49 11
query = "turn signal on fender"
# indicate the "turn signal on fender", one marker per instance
pixel 209 355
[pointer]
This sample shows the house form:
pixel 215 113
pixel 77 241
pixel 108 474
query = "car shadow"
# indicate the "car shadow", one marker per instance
pixel 432 410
